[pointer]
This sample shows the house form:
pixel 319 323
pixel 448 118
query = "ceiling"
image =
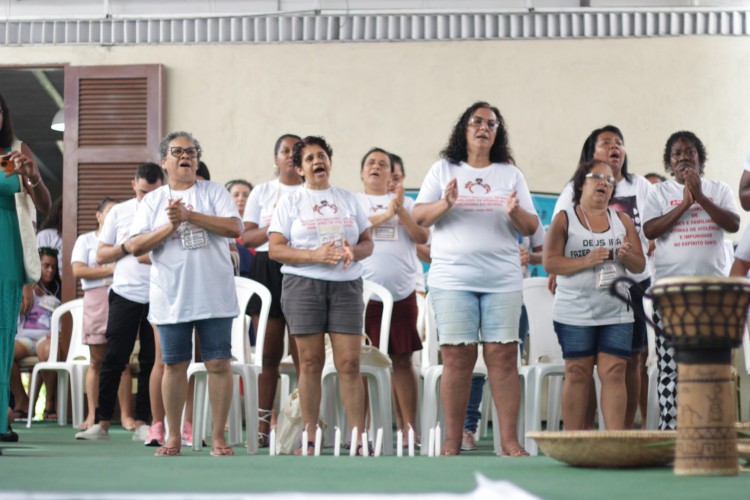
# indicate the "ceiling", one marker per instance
pixel 29 95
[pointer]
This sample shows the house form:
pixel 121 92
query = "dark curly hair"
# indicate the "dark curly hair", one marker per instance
pixel 686 136
pixel 310 140
pixel 6 131
pixel 456 152
pixel 54 218
pixel 589 147
pixel 579 177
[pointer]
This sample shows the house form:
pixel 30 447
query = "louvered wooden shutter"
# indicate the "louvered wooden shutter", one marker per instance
pixel 114 121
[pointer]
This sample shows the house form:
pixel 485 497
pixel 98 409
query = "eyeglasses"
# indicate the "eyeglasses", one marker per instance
pixel 689 152
pixel 178 152
pixel 477 122
pixel 601 177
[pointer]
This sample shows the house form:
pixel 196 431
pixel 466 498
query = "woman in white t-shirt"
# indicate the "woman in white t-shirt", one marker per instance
pixel 95 281
pixel 588 246
pixel 687 218
pixel 320 233
pixel 395 234
pixel 185 225
pixel 478 202
pixel 257 217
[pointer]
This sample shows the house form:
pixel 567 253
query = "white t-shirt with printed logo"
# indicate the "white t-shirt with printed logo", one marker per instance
pixel 303 214
pixel 189 285
pixel 262 202
pixel 131 278
pixel 475 244
pixel 629 197
pixel 695 245
pixel 392 261
pixel 84 251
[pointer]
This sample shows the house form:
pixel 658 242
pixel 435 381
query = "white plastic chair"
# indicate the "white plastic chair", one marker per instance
pixel 73 368
pixel 242 367
pixel 545 359
pixel 378 377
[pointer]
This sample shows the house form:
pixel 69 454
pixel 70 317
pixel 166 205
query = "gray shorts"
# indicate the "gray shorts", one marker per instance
pixel 319 306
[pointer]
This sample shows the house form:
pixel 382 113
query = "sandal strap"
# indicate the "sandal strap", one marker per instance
pixel 264 415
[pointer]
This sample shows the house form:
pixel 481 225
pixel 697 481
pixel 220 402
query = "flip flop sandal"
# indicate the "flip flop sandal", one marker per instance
pixel 167 451
pixel 515 452
pixel 222 451
pixel 310 449
pixel 50 415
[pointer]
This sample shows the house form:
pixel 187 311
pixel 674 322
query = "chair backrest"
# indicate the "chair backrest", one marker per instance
pixel 543 343
pixel 370 288
pixel 76 350
pixel 246 288
pixel 746 348
pixel 430 345
pixel 421 310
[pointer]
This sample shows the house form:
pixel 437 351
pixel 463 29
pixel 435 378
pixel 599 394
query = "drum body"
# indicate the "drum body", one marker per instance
pixel 704 318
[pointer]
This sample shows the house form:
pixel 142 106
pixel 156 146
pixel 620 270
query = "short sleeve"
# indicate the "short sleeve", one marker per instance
pixel 653 208
pixel 432 187
pixel 80 252
pixel 108 234
pixel 281 221
pixel 143 218
pixel 565 200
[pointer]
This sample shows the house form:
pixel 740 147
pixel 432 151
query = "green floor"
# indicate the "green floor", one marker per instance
pixel 48 459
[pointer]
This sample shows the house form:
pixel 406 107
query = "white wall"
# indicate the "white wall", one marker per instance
pixel 405 97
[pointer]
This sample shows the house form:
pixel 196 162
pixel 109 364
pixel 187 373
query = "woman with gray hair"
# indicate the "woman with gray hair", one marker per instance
pixel 184 225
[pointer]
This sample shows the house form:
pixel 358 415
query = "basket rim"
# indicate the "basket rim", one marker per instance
pixel 698 283
pixel 604 434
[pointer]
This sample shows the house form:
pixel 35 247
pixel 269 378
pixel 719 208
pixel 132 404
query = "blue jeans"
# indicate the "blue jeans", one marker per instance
pixel 475 400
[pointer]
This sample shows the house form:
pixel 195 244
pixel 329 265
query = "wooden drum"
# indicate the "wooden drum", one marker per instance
pixel 704 319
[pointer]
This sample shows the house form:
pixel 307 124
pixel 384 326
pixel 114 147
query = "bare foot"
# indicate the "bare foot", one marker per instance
pixel 128 423
pixel 514 450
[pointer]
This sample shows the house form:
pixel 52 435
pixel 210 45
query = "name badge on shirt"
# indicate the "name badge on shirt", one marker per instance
pixel 331 231
pixel 605 275
pixel 192 236
pixel 386 231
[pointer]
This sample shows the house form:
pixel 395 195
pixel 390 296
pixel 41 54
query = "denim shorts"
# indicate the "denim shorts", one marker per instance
pixel 584 341
pixel 471 317
pixel 215 336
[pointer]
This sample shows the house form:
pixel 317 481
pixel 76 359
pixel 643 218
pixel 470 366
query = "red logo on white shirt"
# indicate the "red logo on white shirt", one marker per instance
pixel 478 183
pixel 324 206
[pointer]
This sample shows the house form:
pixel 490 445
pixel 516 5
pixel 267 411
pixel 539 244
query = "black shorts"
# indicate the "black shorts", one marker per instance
pixel 640 335
pixel 266 272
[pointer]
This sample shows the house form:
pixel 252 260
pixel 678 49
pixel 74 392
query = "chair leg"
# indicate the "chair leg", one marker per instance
pixel 32 396
pixel 199 409
pixel 63 381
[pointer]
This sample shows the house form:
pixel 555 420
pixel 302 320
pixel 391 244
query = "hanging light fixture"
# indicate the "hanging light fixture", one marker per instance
pixel 58 122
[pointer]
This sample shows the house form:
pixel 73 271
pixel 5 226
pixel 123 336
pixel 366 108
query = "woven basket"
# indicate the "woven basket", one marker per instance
pixel 614 449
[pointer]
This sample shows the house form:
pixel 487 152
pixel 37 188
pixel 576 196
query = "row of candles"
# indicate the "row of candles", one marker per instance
pixel 433 444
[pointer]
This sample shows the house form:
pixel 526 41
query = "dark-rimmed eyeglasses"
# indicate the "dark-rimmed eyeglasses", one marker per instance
pixel 177 152
pixel 602 177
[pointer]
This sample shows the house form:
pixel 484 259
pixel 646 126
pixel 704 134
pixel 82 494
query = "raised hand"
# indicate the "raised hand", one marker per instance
pixel 348 254
pixel 511 204
pixel 625 250
pixel 328 253
pixel 450 193
pixel 596 256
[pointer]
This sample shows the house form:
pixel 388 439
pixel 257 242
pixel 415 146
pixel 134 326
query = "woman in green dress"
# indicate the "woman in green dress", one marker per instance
pixel 19 170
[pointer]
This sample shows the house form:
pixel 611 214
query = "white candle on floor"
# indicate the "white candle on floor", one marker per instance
pixel 353 447
pixel 431 443
pixel 318 440
pixel 399 443
pixel 304 442
pixel 410 436
pixel 337 442
pixel 272 443
pixel 378 441
pixel 438 441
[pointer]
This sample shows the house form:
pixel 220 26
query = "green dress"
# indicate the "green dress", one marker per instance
pixel 11 286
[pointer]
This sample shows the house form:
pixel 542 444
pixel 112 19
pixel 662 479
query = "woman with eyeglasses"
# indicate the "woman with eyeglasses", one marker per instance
pixel 185 225
pixel 673 209
pixel 588 247
pixel 478 203
pixel 607 144
pixel 260 207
